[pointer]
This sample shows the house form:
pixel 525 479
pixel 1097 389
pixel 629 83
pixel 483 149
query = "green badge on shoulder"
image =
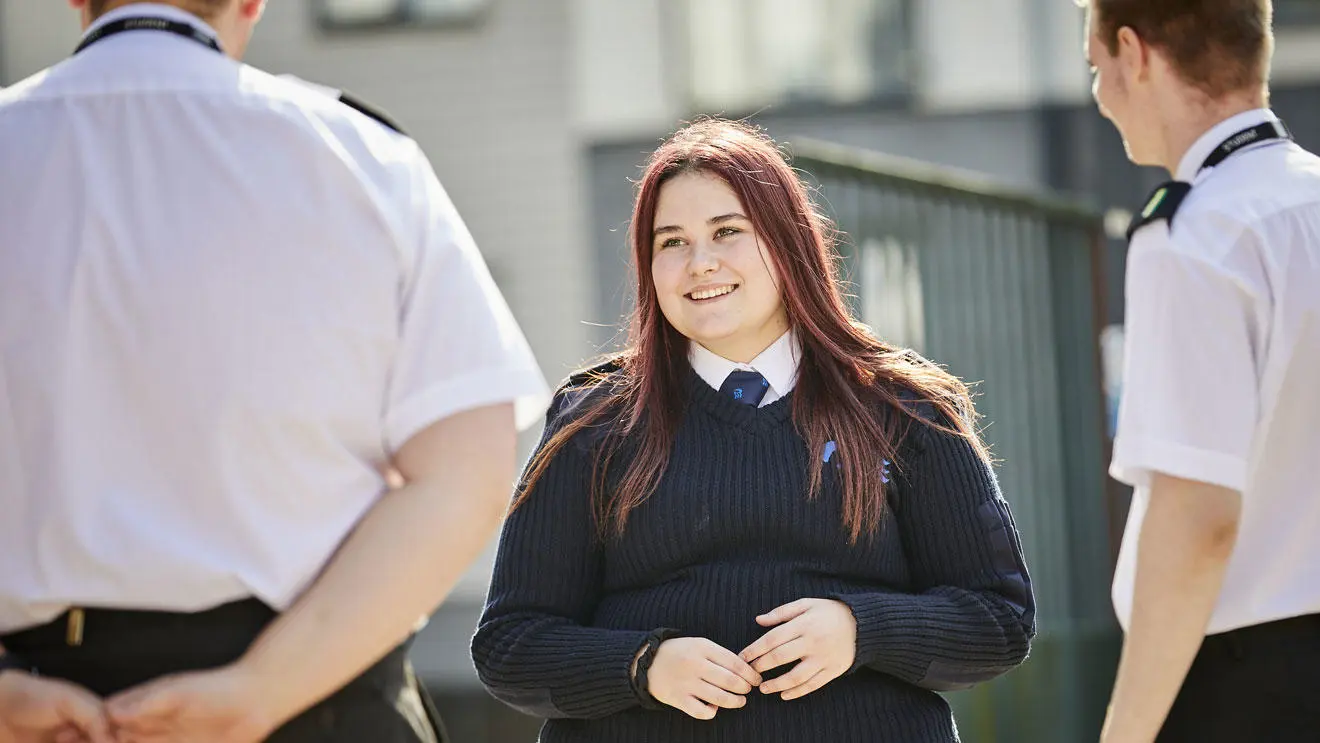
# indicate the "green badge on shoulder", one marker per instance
pixel 1162 205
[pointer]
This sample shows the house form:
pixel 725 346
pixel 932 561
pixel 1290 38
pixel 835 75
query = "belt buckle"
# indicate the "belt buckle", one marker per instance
pixel 75 623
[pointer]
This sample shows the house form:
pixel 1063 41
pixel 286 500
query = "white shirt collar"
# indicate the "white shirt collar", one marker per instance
pixel 152 10
pixel 778 363
pixel 1191 162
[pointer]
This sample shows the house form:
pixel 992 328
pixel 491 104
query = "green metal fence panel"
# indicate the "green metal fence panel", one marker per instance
pixel 1003 287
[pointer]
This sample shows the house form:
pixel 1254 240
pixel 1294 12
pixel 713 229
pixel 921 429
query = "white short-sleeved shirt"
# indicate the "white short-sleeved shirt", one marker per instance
pixel 224 297
pixel 1221 378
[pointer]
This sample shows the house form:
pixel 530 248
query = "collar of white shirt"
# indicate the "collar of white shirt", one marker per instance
pixel 1218 134
pixel 151 10
pixel 778 364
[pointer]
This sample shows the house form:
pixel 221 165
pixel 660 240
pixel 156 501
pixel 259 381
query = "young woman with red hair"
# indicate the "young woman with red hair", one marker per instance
pixel 758 522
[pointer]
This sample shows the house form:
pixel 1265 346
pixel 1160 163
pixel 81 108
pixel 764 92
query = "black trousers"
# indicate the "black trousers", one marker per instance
pixel 1257 684
pixel 116 650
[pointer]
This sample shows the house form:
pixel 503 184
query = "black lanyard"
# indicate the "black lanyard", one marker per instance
pixel 1245 138
pixel 186 30
pixel 1164 201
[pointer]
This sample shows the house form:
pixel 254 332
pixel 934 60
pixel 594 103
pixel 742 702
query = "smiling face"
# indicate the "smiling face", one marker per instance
pixel 714 280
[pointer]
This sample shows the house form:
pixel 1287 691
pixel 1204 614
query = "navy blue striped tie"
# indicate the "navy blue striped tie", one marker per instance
pixel 747 387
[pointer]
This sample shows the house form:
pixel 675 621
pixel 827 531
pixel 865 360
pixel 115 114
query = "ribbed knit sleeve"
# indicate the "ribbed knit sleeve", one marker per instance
pixel 973 615
pixel 532 649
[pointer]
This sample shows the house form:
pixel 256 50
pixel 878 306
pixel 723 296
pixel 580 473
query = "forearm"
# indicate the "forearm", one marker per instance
pixel 1184 546
pixel 552 667
pixel 3 671
pixel 6 735
pixel 969 613
pixel 394 569
pixel 943 639
pixel 9 662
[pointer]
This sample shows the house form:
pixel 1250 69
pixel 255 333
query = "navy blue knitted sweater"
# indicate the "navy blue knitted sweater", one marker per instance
pixel 940 593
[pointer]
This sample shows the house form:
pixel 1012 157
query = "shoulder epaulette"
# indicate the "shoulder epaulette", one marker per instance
pixel 348 99
pixel 582 386
pixel 595 373
pixel 358 105
pixel 1162 205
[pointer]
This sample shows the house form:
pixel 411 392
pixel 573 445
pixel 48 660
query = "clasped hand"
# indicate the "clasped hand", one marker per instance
pixel 699 677
pixel 220 706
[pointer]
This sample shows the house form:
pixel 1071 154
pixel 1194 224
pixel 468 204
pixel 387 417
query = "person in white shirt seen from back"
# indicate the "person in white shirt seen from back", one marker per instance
pixel 1217 584
pixel 228 302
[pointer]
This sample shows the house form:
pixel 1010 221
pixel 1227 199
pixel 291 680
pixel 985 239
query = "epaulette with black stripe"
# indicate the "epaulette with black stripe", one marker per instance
pixel 1162 205
pixel 370 111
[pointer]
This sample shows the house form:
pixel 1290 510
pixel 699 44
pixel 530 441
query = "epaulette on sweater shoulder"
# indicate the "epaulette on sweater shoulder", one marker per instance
pixel 918 405
pixel 913 402
pixel 581 386
pixel 593 374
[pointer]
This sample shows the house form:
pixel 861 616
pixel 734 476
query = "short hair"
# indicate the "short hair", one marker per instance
pixel 204 9
pixel 1217 46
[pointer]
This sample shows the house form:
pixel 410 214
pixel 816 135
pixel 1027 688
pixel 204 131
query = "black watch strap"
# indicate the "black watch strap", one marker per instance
pixel 640 680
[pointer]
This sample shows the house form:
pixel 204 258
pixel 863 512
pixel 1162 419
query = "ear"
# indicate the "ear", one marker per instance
pixel 252 10
pixel 1133 55
pixel 78 4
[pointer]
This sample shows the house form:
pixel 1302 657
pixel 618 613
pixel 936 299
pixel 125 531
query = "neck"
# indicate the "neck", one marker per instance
pixel 1193 119
pixel 226 24
pixel 117 4
pixel 738 354
pixel 743 351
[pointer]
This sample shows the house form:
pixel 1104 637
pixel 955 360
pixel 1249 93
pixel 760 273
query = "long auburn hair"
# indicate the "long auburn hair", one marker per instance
pixel 851 388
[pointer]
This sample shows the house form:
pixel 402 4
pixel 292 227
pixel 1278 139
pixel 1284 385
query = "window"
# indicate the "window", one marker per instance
pixel 750 53
pixel 890 289
pixel 1296 11
pixel 354 13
